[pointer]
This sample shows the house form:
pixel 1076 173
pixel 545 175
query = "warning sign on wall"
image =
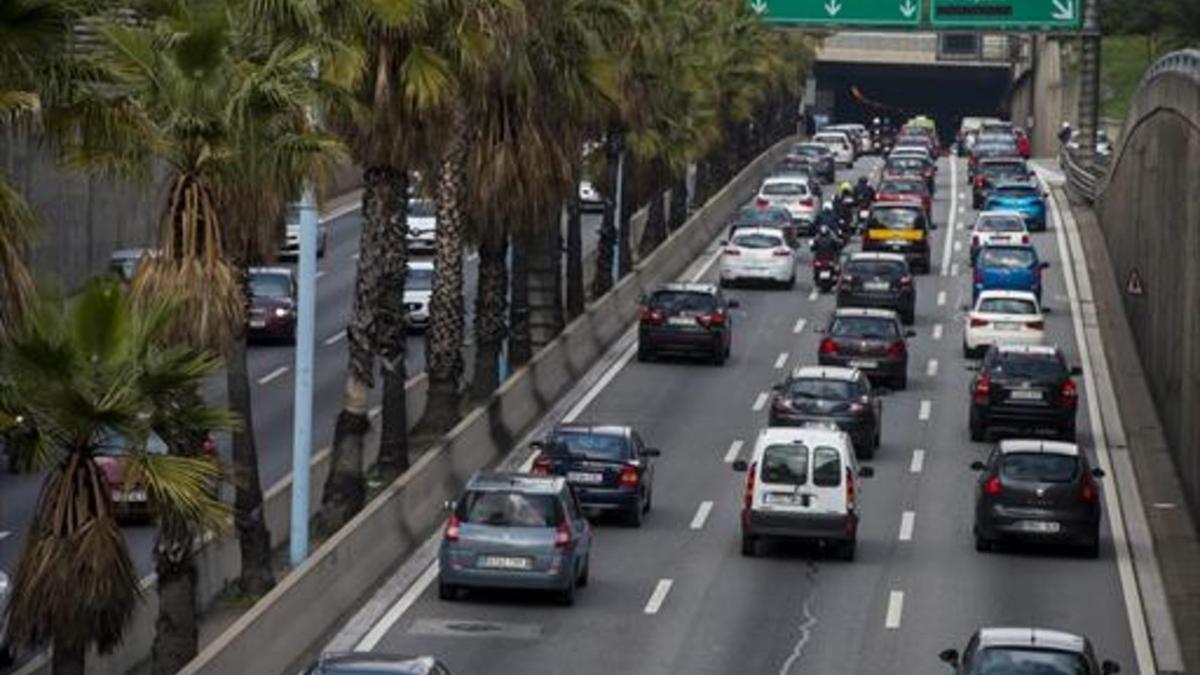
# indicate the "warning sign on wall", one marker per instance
pixel 1134 285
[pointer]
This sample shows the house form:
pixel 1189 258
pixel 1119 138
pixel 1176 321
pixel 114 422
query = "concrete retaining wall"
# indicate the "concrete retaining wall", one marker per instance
pixel 313 599
pixel 1045 96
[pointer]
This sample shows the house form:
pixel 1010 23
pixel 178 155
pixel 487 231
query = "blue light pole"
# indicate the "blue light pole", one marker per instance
pixel 617 220
pixel 303 405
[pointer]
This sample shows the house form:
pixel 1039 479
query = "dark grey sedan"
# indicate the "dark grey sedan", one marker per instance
pixel 841 396
pixel 871 340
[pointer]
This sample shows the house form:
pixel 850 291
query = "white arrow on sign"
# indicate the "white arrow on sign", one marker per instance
pixel 907 8
pixel 759 6
pixel 1063 11
pixel 833 7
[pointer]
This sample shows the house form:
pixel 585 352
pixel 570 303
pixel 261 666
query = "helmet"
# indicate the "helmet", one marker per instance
pixel 845 186
pixel 875 121
pixel 862 180
pixel 824 231
pixel 1066 124
pixel 827 206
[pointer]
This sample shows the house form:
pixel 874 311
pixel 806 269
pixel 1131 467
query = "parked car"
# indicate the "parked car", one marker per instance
pixel 880 280
pixel 687 319
pixel 1026 387
pixel 758 254
pixel 511 530
pixel 376 663
pixel 1037 491
pixel 272 313
pixel 1027 650
pixel 290 250
pixel 1022 197
pixel 610 468
pixel 1003 318
pixel 1011 268
pixel 802 483
pixel 842 396
pixel 870 340
pixel 422 227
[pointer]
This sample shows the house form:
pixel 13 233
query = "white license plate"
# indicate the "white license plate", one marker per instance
pixel 863 364
pixel 501 562
pixel 782 499
pixel 1026 394
pixel 585 477
pixel 681 321
pixel 137 496
pixel 1008 325
pixel 258 323
pixel 1042 526
pixel 876 286
pixel 824 274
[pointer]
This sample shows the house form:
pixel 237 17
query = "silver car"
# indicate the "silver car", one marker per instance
pixel 513 530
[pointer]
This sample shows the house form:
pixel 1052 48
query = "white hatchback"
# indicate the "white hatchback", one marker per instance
pixel 790 192
pixel 760 254
pixel 996 228
pixel 839 143
pixel 1003 318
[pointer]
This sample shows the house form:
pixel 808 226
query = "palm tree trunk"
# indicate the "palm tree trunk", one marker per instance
pixel 176 638
pixel 603 280
pixel 254 540
pixel 545 281
pixel 491 304
pixel 628 207
pixel 68 660
pixel 655 232
pixel 393 433
pixel 444 339
pixel 679 203
pixel 520 339
pixel 575 296
pixel 391 327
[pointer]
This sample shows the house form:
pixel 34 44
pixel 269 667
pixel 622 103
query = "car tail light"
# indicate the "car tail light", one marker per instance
pixel 1068 395
pixel 978 323
pixel 980 181
pixel 992 487
pixel 562 535
pixel 828 346
pixel 781 252
pixel 897 349
pixel 975 240
pixel 652 316
pixel 1087 490
pixel 1036 325
pixel 906 281
pixel 807 201
pixel 712 319
pixel 541 465
pixel 748 500
pixel 732 251
pixel 1024 239
pixel 761 203
pixel 983 389
pixel 849 486
pixel 781 404
pixel 629 476
pixel 452 528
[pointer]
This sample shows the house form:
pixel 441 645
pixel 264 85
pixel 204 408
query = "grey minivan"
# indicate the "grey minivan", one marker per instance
pixel 514 530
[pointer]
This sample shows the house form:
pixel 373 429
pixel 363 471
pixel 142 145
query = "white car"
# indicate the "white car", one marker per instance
pixel 791 192
pixel 994 228
pixel 862 139
pixel 589 198
pixel 802 483
pixel 1003 318
pixel 758 254
pixel 839 143
pixel 422 226
pixel 291 235
pixel 418 289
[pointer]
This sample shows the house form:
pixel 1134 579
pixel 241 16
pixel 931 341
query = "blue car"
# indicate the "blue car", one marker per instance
pixel 1008 268
pixel 610 468
pixel 1024 198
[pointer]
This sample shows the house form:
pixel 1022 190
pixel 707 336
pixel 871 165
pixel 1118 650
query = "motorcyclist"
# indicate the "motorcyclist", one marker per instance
pixel 864 194
pixel 825 246
pixel 845 205
pixel 826 219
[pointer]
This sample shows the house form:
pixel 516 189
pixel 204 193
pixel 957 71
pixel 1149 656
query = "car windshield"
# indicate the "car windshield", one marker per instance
pixel 1039 467
pixel 785 464
pixel 1016 191
pixel 757 241
pixel 1026 366
pixel 683 301
pixel 898 219
pixel 270 285
pixel 509 509
pixel 902 187
pixel 875 268
pixel 750 215
pixel 869 327
pixel 1000 224
pixel 821 388
pixel 1007 257
pixel 1018 661
pixel 588 444
pixel 419 279
pixel 1007 306
pixel 421 208
pixel 785 189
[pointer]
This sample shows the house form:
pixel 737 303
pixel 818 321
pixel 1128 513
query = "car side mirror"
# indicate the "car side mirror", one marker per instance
pixel 1098 473
pixel 949 656
pixel 740 465
pixel 978 466
pixel 1076 370
pixel 910 333
pixel 866 472
pixel 651 452
pixel 732 304
pixel 1110 667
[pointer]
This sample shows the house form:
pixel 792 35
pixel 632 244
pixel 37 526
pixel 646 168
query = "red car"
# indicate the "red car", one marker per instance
pixel 899 189
pixel 130 501
pixel 272 313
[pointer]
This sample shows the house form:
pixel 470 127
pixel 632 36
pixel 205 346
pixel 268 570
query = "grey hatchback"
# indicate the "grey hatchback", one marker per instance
pixel 1027 650
pixel 513 530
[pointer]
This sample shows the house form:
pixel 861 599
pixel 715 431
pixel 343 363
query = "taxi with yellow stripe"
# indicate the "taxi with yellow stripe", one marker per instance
pixel 900 227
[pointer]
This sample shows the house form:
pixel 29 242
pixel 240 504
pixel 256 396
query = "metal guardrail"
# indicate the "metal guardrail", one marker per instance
pixel 1083 182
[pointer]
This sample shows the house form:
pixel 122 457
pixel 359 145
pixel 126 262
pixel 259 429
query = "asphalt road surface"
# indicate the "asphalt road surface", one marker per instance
pixel 676 596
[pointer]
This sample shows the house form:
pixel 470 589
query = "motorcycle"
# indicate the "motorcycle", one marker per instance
pixel 825 273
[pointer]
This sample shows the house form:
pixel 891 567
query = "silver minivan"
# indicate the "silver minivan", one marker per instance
pixel 802 484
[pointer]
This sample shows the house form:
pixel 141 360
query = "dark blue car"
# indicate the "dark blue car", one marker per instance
pixel 1008 268
pixel 609 467
pixel 1024 198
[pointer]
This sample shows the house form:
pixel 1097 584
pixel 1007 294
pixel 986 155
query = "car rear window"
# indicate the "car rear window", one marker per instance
pixel 870 327
pixel 419 279
pixel 898 219
pixel 785 189
pixel 1007 306
pixel 1016 191
pixel 1000 224
pixel 270 285
pixel 827 467
pixel 509 509
pixel 830 138
pixel 887 269
pixel 1012 660
pixel 757 241
pixel 683 301
pixel 422 208
pixel 785 464
pixel 903 186
pixel 1039 467
pixel 1015 258
pixel 821 389
pixel 1026 366
pixel 591 445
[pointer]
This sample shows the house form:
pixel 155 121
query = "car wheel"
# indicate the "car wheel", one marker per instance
pixel 908 317
pixel 1067 432
pixel 749 545
pixel 447 592
pixel 967 351
pixel 649 501
pixel 719 356
pixel 978 430
pixel 846 550
pixel 644 354
pixel 6 656
pixel 790 284
pixel 1091 549
pixel 723 283
pixel 587 568
pixel 635 516
pixel 566 597
pixel 983 544
pixel 900 383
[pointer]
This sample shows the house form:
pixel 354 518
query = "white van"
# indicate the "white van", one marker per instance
pixel 802 483
pixel 839 143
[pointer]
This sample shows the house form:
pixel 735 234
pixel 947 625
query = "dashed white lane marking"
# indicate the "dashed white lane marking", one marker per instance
pixel 320 273
pixel 813 294
pixel 908 520
pixel 926 408
pixel 5 535
pixel 799 327
pixel 354 257
pixel 760 401
pixel 945 266
pixel 895 609
pixel 918 461
pixel 374 412
pixel 931 368
pixel 962 209
pixel 273 375
pixel 957 246
pixel 937 331
pixel 953 269
pixel 473 257
pixel 659 596
pixel 781 361
pixel 735 449
pixel 701 515
pixel 335 338
pixel 941 298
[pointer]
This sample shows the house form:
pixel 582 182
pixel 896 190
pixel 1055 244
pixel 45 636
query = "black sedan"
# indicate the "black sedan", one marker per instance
pixel 1025 387
pixel 1038 491
pixel 610 468
pixel 870 340
pixel 842 396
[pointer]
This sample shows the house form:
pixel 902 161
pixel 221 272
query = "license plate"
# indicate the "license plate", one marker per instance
pixel 131 496
pixel 824 274
pixel 863 364
pixel 1041 526
pixel 876 286
pixel 585 477
pixel 1026 395
pixel 1008 325
pixel 681 321
pixel 258 323
pixel 782 499
pixel 500 562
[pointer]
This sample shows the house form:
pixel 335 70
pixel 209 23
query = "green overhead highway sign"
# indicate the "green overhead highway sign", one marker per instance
pixel 1006 14
pixel 897 13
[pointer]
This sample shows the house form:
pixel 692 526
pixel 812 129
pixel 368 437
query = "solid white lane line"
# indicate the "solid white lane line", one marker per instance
pixel 908 520
pixel 931 368
pixel 659 596
pixel 918 461
pixel 941 298
pixel 937 331
pixel 895 609
pixel 950 218
pixel 760 401
pixel 335 338
pixel 926 408
pixel 5 535
pixel 735 449
pixel 701 515
pixel 781 361
pixel 953 269
pixel 813 295
pixel 397 610
pixel 273 375
pixel 799 327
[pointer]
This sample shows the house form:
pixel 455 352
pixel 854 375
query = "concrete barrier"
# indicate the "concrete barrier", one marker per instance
pixel 312 599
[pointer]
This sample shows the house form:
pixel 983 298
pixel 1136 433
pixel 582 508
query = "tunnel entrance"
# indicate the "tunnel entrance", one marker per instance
pixel 857 92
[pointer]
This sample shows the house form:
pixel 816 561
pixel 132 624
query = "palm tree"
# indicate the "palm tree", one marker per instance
pixel 78 372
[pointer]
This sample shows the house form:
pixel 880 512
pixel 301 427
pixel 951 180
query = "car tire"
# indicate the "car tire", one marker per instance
pixel 644 354
pixel 978 429
pixel 724 283
pixel 649 501
pixel 749 545
pixel 719 356
pixel 566 597
pixel 447 592
pixel 1091 550
pixel 908 316
pixel 790 284
pixel 900 382
pixel 847 549
pixel 983 544
pixel 635 516
pixel 587 568
pixel 1067 432
pixel 6 656
pixel 968 353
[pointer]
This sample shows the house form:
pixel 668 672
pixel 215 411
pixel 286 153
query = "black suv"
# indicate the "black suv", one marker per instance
pixel 1026 387
pixel 881 280
pixel 686 319
pixel 842 396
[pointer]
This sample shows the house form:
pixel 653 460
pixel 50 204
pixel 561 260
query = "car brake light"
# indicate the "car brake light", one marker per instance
pixel 1068 395
pixel 1024 239
pixel 629 476
pixel 983 389
pixel 652 316
pixel 781 404
pixel 992 487
pixel 828 346
pixel 732 251
pixel 980 181
pixel 748 500
pixel 849 487
pixel 906 281
pixel 452 528
pixel 712 319
pixel 781 252
pixel 541 466
pixel 897 349
pixel 978 323
pixel 562 535
pixel 1036 325
pixel 807 201
pixel 761 203
pixel 1087 490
